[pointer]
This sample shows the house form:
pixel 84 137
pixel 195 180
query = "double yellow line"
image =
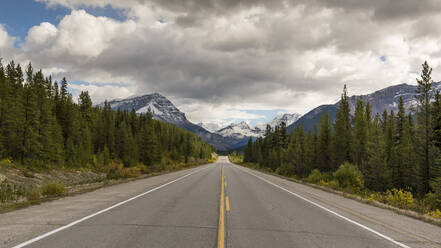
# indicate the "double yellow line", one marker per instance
pixel 224 204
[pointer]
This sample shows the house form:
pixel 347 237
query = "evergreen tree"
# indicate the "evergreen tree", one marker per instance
pixel 360 135
pixel 424 97
pixel 325 145
pixel 343 131
pixel 248 153
pixel 376 171
pixel 401 178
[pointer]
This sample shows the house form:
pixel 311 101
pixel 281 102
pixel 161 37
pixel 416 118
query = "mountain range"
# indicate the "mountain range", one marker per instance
pixel 164 110
pixel 380 100
pixel 226 137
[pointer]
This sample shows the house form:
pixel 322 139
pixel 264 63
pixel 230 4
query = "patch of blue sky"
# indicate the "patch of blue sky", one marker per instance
pixel 18 16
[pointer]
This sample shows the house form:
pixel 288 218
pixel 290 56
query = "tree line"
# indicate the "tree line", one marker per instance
pixel 41 125
pixel 392 150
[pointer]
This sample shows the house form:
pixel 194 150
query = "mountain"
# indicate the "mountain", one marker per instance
pixel 242 130
pixel 212 127
pixel 286 117
pixel 380 100
pixel 312 118
pixel 239 131
pixel 164 110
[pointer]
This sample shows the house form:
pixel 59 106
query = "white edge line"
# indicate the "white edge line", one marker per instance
pixel 328 210
pixel 99 212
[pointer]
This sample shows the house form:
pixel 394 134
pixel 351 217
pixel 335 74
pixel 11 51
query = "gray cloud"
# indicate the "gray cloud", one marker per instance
pixel 239 54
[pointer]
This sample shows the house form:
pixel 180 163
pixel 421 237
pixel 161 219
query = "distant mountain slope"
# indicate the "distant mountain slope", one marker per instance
pixel 164 110
pixel 243 131
pixel 212 127
pixel 239 130
pixel 380 100
pixel 312 118
pixel 286 117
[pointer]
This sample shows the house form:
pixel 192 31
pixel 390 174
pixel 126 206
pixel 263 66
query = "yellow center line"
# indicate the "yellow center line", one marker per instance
pixel 221 229
pixel 227 203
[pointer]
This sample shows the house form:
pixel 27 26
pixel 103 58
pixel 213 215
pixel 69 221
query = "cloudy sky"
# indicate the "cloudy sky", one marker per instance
pixel 223 60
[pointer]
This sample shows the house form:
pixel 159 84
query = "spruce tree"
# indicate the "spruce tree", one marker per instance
pixel 248 153
pixel 376 171
pixel 343 131
pixel 360 135
pixel 424 97
pixel 325 151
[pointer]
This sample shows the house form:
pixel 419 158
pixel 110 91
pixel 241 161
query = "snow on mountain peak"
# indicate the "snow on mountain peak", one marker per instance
pixel 239 130
pixel 160 106
pixel 284 117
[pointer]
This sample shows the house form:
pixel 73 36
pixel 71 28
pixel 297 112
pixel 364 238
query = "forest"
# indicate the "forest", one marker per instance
pixel 43 126
pixel 391 152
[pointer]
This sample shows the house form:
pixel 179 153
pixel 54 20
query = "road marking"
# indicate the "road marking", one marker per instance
pixel 100 212
pixel 227 203
pixel 416 237
pixel 330 211
pixel 221 229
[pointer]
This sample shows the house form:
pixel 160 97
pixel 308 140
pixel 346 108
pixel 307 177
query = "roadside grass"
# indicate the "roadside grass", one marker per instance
pixel 347 182
pixel 20 194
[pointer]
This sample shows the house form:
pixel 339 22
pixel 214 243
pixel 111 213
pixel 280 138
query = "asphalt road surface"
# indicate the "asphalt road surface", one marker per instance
pixel 224 205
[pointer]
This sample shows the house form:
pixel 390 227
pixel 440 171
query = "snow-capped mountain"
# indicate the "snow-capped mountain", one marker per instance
pixel 388 98
pixel 380 100
pixel 242 130
pixel 212 127
pixel 161 108
pixel 164 110
pixel 239 130
pixel 286 117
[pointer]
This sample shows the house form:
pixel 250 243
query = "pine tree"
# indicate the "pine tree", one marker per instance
pixel 343 131
pixel 248 153
pixel 424 96
pixel 401 178
pixel 360 135
pixel 325 145
pixel 389 145
pixel 376 171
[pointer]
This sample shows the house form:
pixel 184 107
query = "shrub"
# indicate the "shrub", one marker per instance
pixel 6 163
pixel 400 198
pixel 316 177
pixel 431 201
pixel 10 192
pixel 131 172
pixel 33 194
pixel 435 214
pixel 53 189
pixel 349 177
pixel 117 171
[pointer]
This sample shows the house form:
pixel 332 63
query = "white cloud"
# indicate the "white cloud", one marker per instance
pixel 215 59
pixel 78 35
pixel 7 49
pixel 100 93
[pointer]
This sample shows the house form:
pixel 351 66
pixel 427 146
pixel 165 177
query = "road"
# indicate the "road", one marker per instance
pixel 242 208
